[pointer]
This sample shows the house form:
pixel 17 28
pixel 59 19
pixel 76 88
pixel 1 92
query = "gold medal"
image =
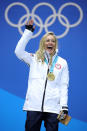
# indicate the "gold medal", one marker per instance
pixel 51 76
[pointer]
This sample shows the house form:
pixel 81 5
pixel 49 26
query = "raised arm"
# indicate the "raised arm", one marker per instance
pixel 20 48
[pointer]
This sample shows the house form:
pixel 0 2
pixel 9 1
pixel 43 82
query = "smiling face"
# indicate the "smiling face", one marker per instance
pixel 50 44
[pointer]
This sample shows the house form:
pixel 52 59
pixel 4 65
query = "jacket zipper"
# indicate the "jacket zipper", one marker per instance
pixel 44 92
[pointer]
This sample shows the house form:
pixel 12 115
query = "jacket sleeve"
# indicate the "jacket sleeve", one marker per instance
pixel 64 87
pixel 20 48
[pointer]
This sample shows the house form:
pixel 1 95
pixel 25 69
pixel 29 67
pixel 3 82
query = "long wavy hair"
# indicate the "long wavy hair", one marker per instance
pixel 41 50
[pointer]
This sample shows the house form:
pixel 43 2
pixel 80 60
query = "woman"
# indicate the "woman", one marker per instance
pixel 47 93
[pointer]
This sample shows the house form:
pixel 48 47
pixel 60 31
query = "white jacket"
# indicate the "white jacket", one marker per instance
pixel 56 92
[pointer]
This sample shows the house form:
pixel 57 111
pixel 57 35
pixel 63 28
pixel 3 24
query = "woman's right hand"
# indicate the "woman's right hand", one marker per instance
pixel 30 26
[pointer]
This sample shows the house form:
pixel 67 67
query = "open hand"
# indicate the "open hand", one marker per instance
pixel 30 24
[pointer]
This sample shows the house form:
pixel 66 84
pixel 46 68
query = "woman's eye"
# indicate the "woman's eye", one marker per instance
pixel 50 41
pixel 47 40
pixel 53 41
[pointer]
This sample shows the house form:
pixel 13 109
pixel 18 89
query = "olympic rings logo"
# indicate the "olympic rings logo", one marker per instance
pixel 46 24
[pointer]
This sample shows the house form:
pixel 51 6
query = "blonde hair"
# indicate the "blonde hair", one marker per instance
pixel 41 50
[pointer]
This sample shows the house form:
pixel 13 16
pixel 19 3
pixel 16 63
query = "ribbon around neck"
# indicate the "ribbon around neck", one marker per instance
pixel 53 63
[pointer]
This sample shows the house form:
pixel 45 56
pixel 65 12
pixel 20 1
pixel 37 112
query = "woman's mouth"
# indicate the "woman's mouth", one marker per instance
pixel 50 47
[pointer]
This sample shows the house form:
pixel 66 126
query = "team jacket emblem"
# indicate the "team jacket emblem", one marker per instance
pixel 58 66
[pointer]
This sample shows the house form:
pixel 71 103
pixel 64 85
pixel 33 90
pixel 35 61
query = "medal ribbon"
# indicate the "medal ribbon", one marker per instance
pixel 53 63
